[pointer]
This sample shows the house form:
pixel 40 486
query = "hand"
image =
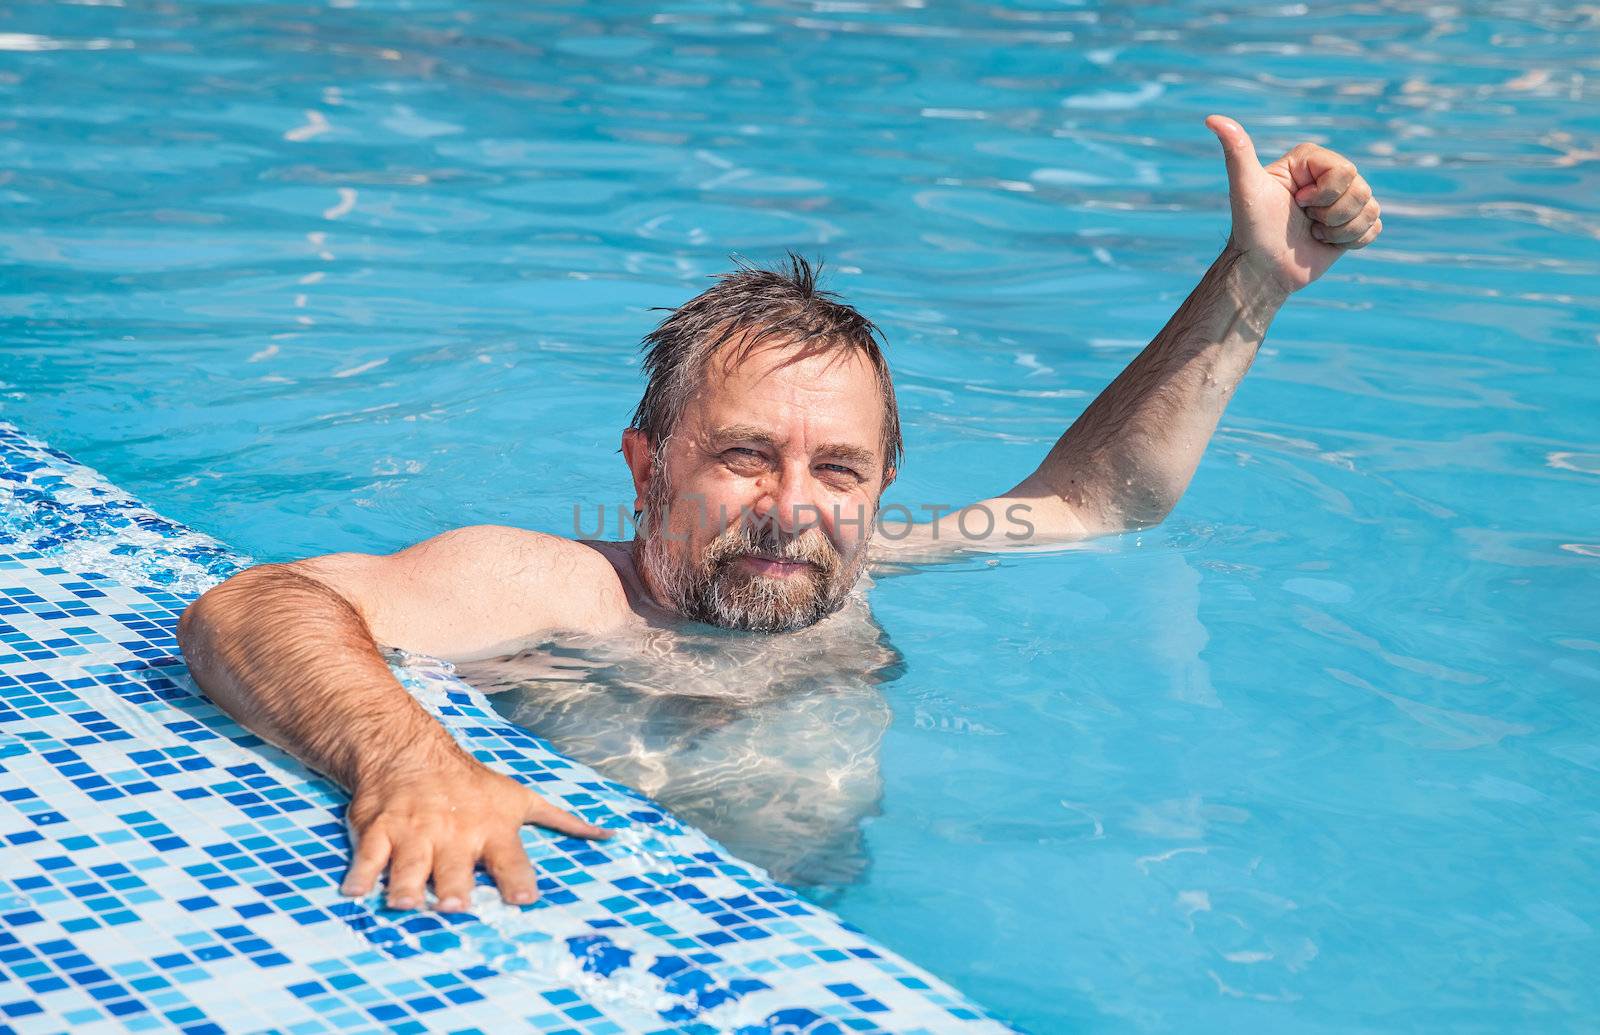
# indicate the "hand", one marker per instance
pixel 440 820
pixel 1295 217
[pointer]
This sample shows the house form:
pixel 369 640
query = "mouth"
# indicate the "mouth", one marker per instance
pixel 780 567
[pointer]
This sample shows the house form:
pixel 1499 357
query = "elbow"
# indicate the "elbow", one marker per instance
pixel 197 625
pixel 1150 490
pixel 1146 506
pixel 192 637
pixel 1147 520
pixel 192 624
pixel 1129 489
pixel 188 623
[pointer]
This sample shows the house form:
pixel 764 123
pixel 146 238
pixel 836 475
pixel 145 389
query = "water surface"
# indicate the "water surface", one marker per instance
pixel 1318 754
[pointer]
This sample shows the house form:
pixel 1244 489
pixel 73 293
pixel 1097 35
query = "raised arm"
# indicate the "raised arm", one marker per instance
pixel 1127 459
pixel 291 652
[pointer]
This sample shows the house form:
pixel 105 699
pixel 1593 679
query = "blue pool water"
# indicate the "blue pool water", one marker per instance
pixel 1320 753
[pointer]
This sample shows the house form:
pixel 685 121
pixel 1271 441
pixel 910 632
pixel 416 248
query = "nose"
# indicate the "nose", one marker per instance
pixel 789 500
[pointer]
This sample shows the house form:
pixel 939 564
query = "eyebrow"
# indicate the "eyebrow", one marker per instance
pixel 838 450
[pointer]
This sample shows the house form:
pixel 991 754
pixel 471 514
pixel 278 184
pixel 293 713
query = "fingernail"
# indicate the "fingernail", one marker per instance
pixel 402 903
pixel 522 898
pixel 449 905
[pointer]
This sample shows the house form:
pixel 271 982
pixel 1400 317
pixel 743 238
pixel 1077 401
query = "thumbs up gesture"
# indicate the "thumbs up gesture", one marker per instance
pixel 1292 219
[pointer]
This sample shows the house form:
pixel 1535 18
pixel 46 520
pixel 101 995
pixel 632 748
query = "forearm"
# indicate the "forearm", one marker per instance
pixel 1129 457
pixel 294 662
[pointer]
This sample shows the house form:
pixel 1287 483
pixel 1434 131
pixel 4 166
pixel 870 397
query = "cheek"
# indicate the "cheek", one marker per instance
pixel 704 510
pixel 849 530
pixel 722 500
pixel 687 520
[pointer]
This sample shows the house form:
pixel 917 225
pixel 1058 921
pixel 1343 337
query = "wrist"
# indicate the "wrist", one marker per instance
pixel 424 757
pixel 1254 287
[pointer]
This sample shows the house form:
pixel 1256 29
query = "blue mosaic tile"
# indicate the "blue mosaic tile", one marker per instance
pixel 165 869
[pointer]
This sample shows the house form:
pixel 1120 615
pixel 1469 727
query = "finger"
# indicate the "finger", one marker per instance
pixel 372 853
pixel 1365 239
pixel 1346 208
pixel 1349 231
pixel 452 878
pixel 507 862
pixel 408 872
pixel 1238 152
pixel 544 814
pixel 1323 175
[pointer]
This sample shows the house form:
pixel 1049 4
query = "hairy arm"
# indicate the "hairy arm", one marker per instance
pixel 291 652
pixel 295 662
pixel 1127 459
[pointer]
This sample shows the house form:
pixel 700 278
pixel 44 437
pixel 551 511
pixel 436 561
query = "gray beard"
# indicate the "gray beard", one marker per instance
pixel 712 589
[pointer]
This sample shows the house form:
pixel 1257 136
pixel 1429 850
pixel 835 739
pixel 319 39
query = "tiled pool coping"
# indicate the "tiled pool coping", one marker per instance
pixel 165 869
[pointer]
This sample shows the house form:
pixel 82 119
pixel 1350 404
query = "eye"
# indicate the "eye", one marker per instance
pixel 743 457
pixel 840 469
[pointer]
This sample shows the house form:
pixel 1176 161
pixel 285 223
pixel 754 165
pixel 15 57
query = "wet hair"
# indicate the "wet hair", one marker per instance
pixel 759 307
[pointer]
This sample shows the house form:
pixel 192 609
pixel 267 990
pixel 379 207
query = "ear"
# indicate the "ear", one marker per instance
pixel 637 450
pixel 888 480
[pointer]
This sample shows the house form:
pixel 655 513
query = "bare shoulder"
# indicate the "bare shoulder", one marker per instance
pixel 478 591
pixel 515 557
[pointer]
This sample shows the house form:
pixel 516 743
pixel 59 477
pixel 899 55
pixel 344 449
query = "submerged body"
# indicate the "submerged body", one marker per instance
pixel 769 746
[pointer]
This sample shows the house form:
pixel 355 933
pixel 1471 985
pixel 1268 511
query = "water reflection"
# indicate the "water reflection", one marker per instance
pixel 768 744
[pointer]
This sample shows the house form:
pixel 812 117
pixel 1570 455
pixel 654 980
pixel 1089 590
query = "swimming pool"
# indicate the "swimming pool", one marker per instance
pixel 1320 751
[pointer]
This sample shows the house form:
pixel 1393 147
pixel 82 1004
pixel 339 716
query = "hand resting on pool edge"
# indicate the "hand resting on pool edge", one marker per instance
pixel 759 454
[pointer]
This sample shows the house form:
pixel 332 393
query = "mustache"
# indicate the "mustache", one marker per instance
pixel 810 546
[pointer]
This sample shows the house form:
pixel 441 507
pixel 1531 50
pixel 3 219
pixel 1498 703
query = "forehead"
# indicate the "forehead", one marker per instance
pixel 821 395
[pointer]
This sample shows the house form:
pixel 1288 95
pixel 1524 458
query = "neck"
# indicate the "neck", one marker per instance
pixel 647 584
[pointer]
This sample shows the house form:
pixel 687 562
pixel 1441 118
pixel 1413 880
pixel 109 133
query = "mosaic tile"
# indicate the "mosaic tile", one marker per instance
pixel 167 870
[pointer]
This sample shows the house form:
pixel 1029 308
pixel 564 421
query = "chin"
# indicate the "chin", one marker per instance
pixel 768 623
pixel 756 605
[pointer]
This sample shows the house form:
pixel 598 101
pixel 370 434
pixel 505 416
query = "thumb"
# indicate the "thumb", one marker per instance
pixel 1237 150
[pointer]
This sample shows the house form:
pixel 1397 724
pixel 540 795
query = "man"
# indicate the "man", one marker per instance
pixel 766 436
